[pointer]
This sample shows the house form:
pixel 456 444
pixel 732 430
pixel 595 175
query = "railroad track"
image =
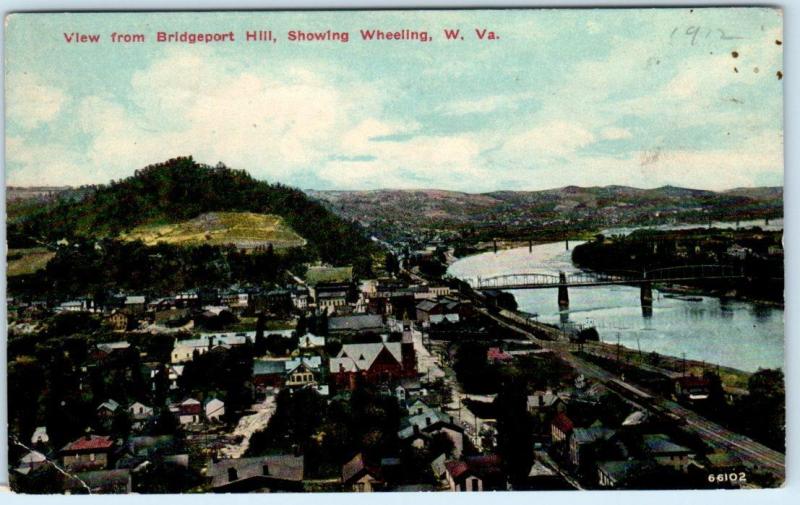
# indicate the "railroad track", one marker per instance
pixel 758 455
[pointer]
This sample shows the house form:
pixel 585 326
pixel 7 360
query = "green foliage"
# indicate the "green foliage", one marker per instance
pixel 514 429
pixel 228 371
pixel 762 414
pixel 86 268
pixel 166 478
pixel 472 370
pixel 181 189
pixel 330 434
pixel 71 323
pixel 298 415
pixel 277 345
pixel 650 249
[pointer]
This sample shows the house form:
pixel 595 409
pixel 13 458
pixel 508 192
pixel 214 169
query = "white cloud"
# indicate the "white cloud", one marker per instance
pixel 615 133
pixel 715 169
pixel 484 105
pixel 287 120
pixel 52 163
pixel 554 139
pixel 30 102
pixel 448 161
pixel 274 122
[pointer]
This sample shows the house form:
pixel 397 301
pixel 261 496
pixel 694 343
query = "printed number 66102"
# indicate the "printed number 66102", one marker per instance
pixel 727 477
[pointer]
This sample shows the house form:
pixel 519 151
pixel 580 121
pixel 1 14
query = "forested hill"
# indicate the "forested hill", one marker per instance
pixel 181 189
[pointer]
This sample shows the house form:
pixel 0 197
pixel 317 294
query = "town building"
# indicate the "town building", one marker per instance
pixel 360 477
pixel 188 411
pixel 214 409
pixel 90 452
pixel 263 474
pixel 478 473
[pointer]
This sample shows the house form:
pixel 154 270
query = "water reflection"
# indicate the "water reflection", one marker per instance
pixel 725 331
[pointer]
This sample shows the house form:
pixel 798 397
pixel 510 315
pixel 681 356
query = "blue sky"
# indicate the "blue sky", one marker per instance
pixel 586 97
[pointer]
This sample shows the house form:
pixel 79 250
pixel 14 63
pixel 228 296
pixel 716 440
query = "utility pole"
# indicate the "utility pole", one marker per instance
pixel 683 356
pixel 618 350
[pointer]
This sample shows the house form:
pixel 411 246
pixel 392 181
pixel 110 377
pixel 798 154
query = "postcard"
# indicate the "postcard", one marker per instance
pixel 401 250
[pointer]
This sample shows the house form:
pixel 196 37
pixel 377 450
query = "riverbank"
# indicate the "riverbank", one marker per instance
pixel 740 264
pixel 734 380
pixel 740 335
pixel 697 291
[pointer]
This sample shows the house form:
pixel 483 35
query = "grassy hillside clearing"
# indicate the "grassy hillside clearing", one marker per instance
pixel 27 261
pixel 245 230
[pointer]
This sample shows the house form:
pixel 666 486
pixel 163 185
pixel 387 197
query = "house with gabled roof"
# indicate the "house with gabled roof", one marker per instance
pixel 31 461
pixel 561 428
pixel 359 476
pixel 373 363
pixel 418 407
pixel 107 409
pixel 664 451
pixel 283 472
pixel 614 474
pixel 188 411
pixel 214 409
pixel 583 437
pixel 269 373
pixel 87 453
pixel 40 435
pixel 418 429
pixel 139 414
pixel 478 473
pixel 300 376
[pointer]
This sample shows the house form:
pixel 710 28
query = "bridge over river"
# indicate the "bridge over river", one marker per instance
pixel 645 279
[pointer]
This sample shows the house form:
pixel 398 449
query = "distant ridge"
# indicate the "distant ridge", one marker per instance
pixel 613 204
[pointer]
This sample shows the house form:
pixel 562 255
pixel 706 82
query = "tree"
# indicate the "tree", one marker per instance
pixel 391 264
pixel 322 325
pixel 121 424
pixel 441 443
pixel 514 429
pixel 762 414
pixel 302 325
pixel 333 346
pixel 277 345
pixel 588 334
pixel 472 370
pixel 260 325
pixel 164 423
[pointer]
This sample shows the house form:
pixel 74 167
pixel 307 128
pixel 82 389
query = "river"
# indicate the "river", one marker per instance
pixel 739 334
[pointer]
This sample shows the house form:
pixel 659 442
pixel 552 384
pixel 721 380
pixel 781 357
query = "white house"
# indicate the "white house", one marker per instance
pixel 189 411
pixel 139 411
pixel 215 409
pixel 40 436
pixel 310 341
pixel 183 350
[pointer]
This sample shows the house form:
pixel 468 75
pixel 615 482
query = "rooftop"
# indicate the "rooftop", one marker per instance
pixel 89 443
pixel 355 466
pixel 282 467
pixel 355 323
pixel 662 444
pixel 563 423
